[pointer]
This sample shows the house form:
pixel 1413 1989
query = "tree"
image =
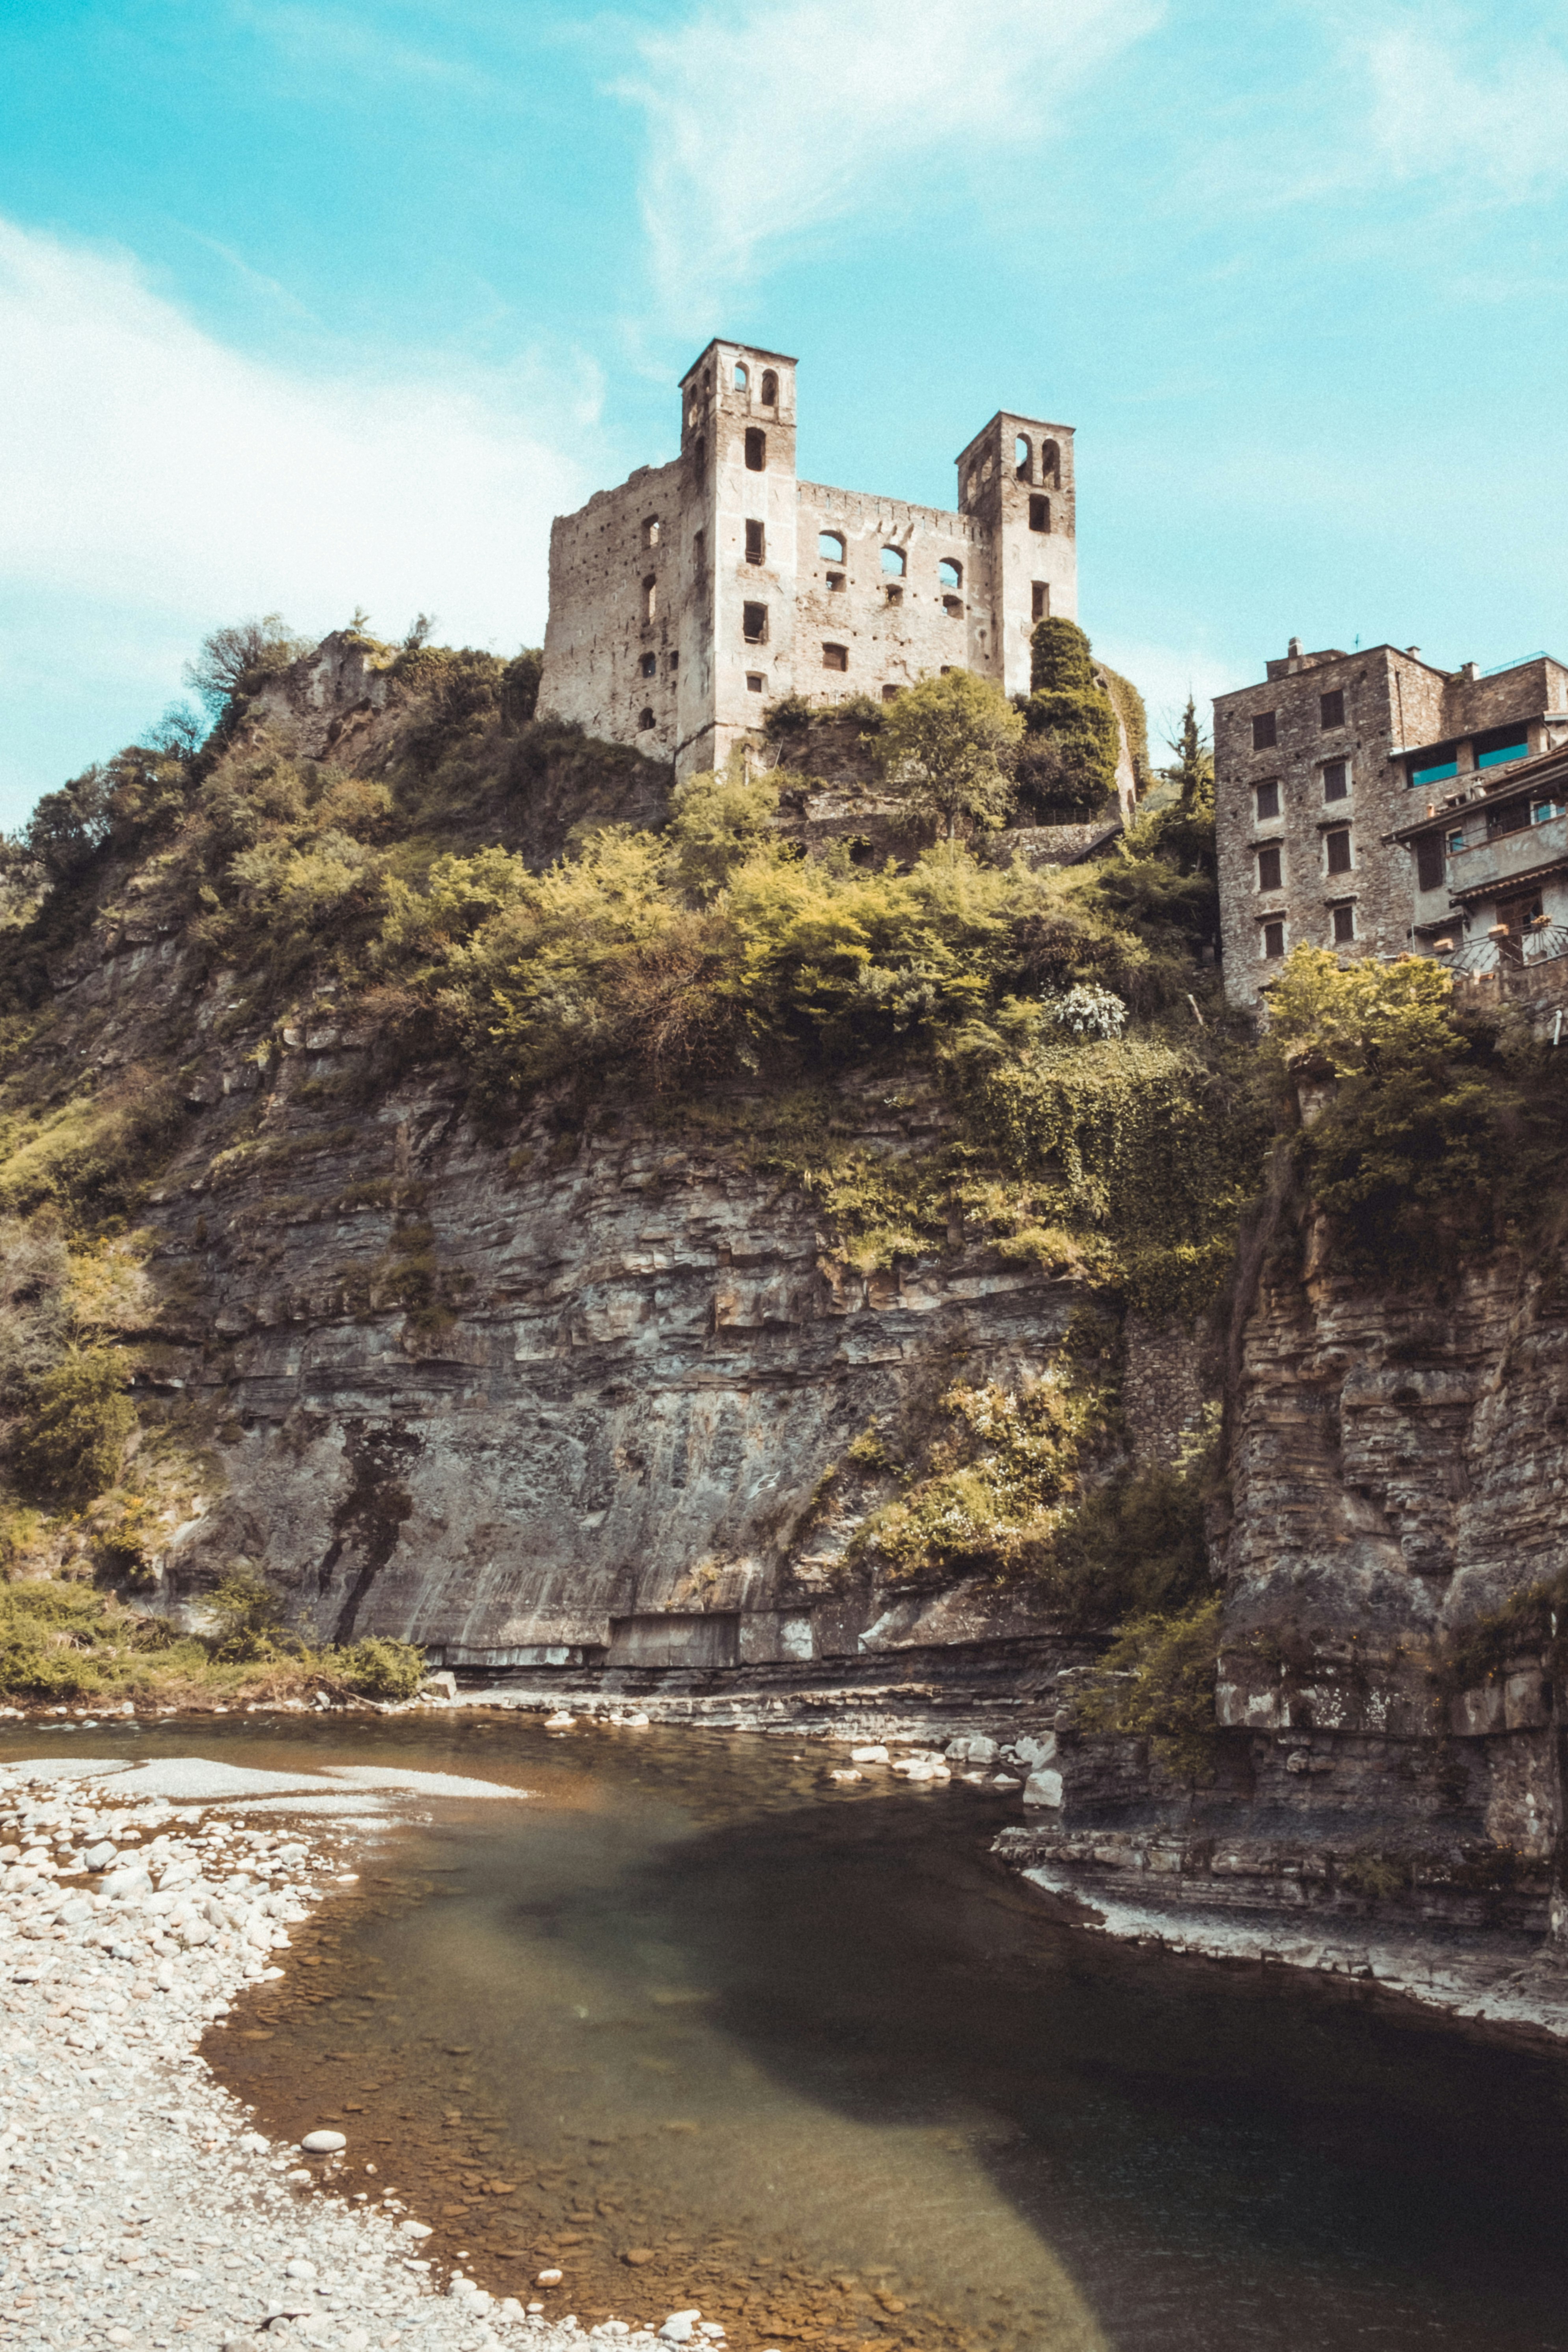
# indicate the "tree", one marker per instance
pixel 946 745
pixel 419 632
pixel 69 827
pixel 235 660
pixel 1193 767
pixel 1069 762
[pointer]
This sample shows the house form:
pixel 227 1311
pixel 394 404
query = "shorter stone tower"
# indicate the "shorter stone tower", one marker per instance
pixel 683 603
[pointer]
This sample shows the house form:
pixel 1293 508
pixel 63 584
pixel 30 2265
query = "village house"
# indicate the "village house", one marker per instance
pixel 1320 772
pixel 686 601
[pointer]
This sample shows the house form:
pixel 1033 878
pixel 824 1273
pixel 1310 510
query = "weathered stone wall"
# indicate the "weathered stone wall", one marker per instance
pixel 601 634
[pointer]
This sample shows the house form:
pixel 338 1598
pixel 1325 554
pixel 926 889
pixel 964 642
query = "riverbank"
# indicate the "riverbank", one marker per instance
pixel 140 2208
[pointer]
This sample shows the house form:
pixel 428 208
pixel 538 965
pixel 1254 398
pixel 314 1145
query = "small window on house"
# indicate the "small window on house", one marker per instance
pixel 756 449
pixel 645 719
pixel 1455 842
pixel 742 375
pixel 1273 942
pixel 834 656
pixel 1331 708
pixel 756 542
pixel 1337 849
pixel 1039 601
pixel 1343 924
pixel 1039 514
pixel 1541 812
pixel 649 664
pixel 953 607
pixel 770 389
pixel 1502 744
pixel 1513 817
pixel 949 574
pixel 1336 780
pixel 754 623
pixel 1023 459
pixel 649 597
pixel 755 681
pixel 895 562
pixel 1268 867
pixel 835 583
pixel 1268 798
pixel 830 546
pixel 895 591
pixel 1429 862
pixel 1263 733
pixel 891 693
pixel 1051 464
pixel 1435 767
pixel 650 532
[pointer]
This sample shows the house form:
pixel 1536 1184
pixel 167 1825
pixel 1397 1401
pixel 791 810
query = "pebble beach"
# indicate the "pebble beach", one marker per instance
pixel 138 2208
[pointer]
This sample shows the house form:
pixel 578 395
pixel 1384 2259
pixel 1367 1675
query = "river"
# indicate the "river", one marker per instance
pixel 830 2073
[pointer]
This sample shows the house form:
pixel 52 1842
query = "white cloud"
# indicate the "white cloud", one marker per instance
pixel 1495 121
pixel 771 120
pixel 154 483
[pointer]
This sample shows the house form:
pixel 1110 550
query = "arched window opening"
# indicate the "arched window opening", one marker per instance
pixel 645 719
pixel 950 573
pixel 830 546
pixel 770 389
pixel 895 562
pixel 742 375
pixel 649 597
pixel 650 532
pixel 1024 458
pixel 1051 464
pixel 953 607
pixel 756 449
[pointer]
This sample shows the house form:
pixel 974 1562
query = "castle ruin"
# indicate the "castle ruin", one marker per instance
pixel 684 601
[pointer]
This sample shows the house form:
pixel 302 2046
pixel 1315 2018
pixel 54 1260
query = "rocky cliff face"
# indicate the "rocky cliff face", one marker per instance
pixel 1398 1463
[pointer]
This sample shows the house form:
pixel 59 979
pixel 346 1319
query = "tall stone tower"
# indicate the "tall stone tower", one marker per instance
pixel 1016 479
pixel 740 533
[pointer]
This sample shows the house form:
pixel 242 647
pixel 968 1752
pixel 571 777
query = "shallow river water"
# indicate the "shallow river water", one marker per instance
pixel 832 2075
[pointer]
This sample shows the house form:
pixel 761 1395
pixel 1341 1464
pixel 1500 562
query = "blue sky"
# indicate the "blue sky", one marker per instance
pixel 304 306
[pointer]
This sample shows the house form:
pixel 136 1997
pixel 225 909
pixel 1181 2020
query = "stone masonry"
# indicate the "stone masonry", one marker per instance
pixel 1316 767
pixel 684 601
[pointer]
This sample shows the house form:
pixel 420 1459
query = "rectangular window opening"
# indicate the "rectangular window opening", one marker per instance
pixel 1273 942
pixel 1344 925
pixel 891 693
pixel 1429 863
pixel 1338 846
pixel 1331 708
pixel 756 544
pixel 1268 867
pixel 835 583
pixel 649 664
pixel 1433 767
pixel 755 681
pixel 754 623
pixel 1336 780
pixel 834 656
pixel 1039 514
pixel 1263 731
pixel 1039 601
pixel 1504 743
pixel 1268 798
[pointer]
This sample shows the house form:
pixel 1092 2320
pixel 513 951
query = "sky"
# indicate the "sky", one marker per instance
pixel 309 306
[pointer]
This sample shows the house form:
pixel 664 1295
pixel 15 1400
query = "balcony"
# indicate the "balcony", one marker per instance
pixel 1510 858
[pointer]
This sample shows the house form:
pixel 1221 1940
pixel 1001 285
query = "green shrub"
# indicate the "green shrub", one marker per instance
pixel 1156 1682
pixel 1067 763
pixel 379 1668
pixel 1134 1546
pixel 248 1628
pixel 74 1428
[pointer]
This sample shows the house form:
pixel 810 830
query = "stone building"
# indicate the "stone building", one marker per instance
pixel 684 601
pixel 1317 770
pixel 1488 857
